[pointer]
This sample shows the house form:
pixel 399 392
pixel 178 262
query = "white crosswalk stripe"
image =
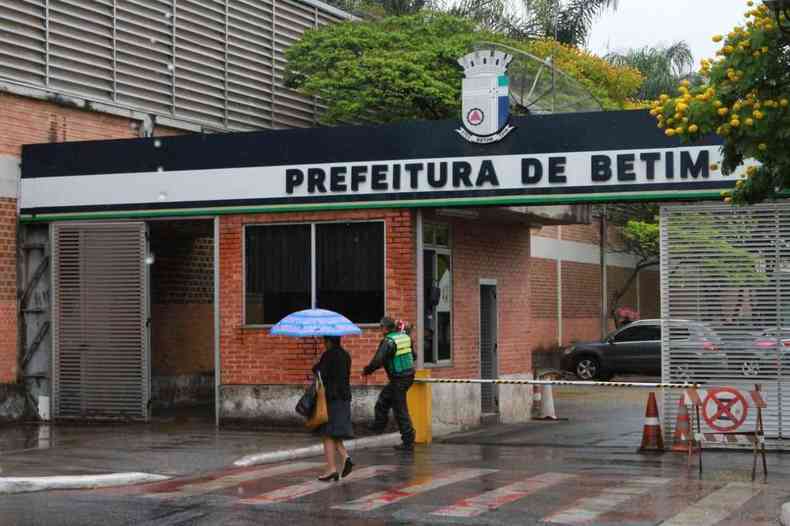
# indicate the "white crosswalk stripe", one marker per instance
pixel 590 508
pixel 611 498
pixel 715 507
pixel 385 498
pixel 477 505
pixel 314 486
pixel 229 481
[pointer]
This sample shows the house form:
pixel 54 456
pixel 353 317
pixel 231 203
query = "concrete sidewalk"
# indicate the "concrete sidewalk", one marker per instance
pixel 63 456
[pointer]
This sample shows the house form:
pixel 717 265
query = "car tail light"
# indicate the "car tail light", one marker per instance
pixel 766 344
pixel 786 343
pixel 708 345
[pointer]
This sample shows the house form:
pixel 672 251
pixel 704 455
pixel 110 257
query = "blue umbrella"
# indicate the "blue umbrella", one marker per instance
pixel 315 322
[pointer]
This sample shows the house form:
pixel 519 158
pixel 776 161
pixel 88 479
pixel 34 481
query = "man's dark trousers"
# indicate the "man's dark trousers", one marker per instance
pixel 393 396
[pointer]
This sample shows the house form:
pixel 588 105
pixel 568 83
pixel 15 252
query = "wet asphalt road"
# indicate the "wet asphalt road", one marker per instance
pixel 583 470
pixel 531 485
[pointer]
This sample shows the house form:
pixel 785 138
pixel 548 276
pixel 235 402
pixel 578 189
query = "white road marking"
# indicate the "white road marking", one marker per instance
pixel 715 507
pixel 10 485
pixel 202 488
pixel 589 508
pixel 479 504
pixel 385 498
pixel 314 486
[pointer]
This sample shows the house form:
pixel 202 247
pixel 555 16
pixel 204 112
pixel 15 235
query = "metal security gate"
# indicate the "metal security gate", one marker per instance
pixel 725 302
pixel 488 348
pixel 100 360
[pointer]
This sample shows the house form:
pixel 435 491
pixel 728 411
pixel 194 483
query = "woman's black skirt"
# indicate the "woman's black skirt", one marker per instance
pixel 339 425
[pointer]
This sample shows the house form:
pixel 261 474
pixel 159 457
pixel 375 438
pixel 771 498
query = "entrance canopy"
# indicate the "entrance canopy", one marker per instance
pixel 545 159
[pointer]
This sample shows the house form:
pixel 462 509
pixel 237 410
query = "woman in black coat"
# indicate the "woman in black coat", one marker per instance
pixel 335 369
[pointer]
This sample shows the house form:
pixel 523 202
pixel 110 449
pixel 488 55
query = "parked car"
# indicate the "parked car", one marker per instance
pixel 767 353
pixel 636 349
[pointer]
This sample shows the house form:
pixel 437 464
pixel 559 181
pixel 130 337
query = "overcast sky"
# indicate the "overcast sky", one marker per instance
pixel 638 23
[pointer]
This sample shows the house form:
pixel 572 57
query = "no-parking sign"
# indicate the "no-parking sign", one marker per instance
pixel 724 409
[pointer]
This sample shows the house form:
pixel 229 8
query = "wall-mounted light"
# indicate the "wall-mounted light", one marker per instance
pixel 150 258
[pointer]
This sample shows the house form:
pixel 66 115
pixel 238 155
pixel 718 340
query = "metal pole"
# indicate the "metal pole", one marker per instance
pixel 217 354
pixel 420 290
pixel 604 285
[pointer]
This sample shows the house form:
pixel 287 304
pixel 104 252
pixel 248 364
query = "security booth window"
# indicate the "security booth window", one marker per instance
pixel 350 270
pixel 277 261
pixel 437 261
pixel 347 258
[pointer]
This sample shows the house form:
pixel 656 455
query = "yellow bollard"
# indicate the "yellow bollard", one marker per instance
pixel 419 401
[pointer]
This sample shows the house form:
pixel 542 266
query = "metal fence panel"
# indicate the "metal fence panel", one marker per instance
pixel 725 304
pixel 100 355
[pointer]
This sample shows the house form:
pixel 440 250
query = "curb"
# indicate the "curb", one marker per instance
pixel 784 516
pixel 11 485
pixel 318 449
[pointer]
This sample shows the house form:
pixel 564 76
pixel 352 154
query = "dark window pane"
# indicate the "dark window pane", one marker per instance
pixel 350 270
pixel 444 309
pixel 277 266
pixel 431 300
pixel 442 235
pixel 638 334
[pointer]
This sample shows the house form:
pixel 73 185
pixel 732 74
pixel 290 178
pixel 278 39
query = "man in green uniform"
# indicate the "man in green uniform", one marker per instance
pixel 397 356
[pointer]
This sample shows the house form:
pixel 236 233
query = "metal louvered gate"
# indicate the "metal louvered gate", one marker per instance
pixel 725 302
pixel 488 348
pixel 100 360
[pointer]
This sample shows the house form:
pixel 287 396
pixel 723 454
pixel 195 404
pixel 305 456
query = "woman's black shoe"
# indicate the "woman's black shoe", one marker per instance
pixel 347 467
pixel 329 478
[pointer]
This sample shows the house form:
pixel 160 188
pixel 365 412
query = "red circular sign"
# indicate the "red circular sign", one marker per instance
pixel 725 409
pixel 475 117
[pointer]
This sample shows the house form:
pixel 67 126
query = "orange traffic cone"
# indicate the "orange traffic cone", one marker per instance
pixel 682 439
pixel 652 440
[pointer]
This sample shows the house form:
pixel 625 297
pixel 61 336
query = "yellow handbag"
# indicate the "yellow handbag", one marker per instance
pixel 320 413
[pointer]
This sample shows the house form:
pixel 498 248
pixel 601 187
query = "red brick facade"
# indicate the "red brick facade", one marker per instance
pixel 182 297
pixel 8 305
pixel 251 356
pixel 25 121
pixel 581 290
pixel 491 252
pixel 528 306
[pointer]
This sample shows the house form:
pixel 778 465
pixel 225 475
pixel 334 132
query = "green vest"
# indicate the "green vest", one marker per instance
pixel 403 359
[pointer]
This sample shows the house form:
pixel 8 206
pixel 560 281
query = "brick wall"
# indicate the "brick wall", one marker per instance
pixel 25 121
pixel 251 356
pixel 182 297
pixel 543 326
pixel 489 251
pixel 8 308
pixel 650 294
pixel 581 290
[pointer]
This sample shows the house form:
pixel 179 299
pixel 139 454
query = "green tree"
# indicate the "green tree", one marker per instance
pixel 638 236
pixel 400 68
pixel 746 101
pixel 567 21
pixel 662 67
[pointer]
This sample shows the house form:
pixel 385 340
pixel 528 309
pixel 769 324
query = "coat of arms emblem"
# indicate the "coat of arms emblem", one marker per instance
pixel 485 107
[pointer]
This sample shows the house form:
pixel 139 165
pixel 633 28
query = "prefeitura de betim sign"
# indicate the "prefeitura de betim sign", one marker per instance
pixel 585 157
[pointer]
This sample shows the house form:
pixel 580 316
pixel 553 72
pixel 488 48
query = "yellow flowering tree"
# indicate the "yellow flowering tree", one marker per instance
pixel 746 101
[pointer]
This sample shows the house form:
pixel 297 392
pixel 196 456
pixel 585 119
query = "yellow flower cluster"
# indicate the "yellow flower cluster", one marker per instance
pixel 703 109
